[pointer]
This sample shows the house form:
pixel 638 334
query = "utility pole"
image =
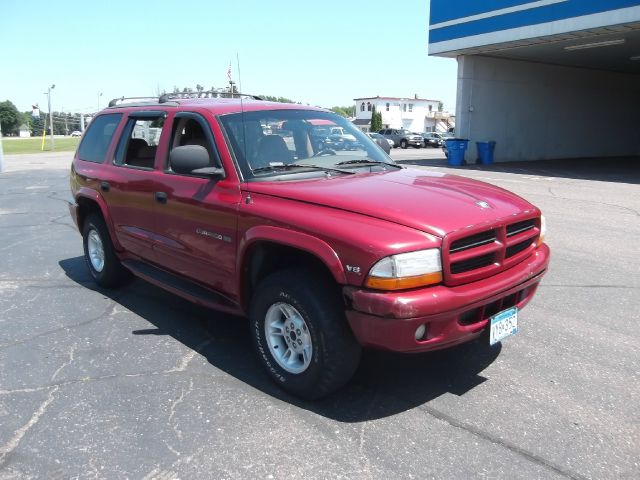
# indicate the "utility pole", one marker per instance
pixel 99 95
pixel 53 144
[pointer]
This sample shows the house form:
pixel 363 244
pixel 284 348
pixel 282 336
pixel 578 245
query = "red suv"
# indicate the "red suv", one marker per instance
pixel 230 203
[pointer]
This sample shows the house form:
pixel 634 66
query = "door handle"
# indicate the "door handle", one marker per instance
pixel 161 197
pixel 104 186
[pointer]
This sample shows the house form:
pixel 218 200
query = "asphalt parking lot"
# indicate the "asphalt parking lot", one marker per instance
pixel 136 383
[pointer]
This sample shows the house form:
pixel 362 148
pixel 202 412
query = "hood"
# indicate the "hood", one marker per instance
pixel 428 201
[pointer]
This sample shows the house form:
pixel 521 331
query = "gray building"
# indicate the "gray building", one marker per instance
pixel 544 79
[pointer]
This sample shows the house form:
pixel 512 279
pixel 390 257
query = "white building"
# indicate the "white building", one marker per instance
pixel 414 114
pixel 24 131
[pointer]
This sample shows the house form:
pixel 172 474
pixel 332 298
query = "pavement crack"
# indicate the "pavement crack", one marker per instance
pixel 175 425
pixel 71 352
pixel 614 205
pixel 19 434
pixel 502 443
pixel 628 287
pixel 106 312
pixel 186 359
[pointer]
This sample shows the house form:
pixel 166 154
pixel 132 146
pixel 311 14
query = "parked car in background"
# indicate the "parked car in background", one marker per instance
pixel 334 138
pixel 384 143
pixel 76 133
pixel 432 139
pixel 445 136
pixel 402 138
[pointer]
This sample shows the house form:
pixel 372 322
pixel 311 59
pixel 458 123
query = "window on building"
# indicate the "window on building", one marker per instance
pixel 387 106
pixel 404 107
pixel 369 106
pixel 362 107
pixel 430 107
pixel 411 107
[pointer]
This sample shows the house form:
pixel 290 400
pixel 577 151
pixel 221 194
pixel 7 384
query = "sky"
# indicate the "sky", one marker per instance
pixel 323 53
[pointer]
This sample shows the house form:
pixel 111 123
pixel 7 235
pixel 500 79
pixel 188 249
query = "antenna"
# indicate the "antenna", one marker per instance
pixel 244 125
pixel 239 76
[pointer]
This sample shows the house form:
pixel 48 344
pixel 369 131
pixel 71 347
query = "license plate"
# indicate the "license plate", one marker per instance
pixel 503 325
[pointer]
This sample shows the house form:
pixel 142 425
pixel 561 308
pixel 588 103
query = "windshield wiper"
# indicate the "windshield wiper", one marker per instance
pixel 272 168
pixel 362 161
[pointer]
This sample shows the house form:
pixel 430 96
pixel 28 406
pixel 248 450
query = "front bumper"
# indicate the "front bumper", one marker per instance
pixel 452 315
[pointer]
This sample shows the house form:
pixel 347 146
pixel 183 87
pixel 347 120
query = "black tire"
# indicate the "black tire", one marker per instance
pixel 335 352
pixel 403 144
pixel 112 274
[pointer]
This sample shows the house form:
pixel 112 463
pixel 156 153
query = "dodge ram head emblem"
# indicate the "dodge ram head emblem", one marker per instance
pixel 483 204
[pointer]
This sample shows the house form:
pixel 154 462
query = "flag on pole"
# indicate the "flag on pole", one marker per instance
pixel 229 72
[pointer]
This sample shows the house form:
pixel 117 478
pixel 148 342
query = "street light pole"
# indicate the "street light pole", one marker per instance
pixel 53 144
pixel 99 95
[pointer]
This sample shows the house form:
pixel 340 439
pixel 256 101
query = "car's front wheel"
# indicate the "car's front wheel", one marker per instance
pixel 104 265
pixel 301 335
pixel 403 144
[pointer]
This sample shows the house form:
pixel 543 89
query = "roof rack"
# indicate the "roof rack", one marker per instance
pixel 164 98
pixel 208 94
pixel 115 101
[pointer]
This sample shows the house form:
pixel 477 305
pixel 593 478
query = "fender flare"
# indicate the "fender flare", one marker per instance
pixel 90 194
pixel 302 241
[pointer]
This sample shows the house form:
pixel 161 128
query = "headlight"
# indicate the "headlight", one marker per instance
pixel 543 230
pixel 406 270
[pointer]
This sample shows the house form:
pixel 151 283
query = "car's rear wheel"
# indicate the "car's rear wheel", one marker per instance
pixel 105 268
pixel 301 335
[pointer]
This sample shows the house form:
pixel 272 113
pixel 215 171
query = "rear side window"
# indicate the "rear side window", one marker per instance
pixel 139 141
pixel 97 138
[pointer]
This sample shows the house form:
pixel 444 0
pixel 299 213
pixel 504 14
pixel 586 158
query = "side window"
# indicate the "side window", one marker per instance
pixel 97 138
pixel 191 130
pixel 387 106
pixel 139 142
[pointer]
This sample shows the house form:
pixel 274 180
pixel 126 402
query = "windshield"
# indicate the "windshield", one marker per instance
pixel 284 142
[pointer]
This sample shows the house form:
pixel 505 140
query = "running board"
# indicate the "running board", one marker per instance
pixel 182 287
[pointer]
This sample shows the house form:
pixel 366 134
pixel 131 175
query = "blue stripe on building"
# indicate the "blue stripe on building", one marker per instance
pixel 445 10
pixel 536 16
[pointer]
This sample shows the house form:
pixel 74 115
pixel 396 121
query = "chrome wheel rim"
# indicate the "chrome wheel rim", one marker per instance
pixel 95 250
pixel 288 337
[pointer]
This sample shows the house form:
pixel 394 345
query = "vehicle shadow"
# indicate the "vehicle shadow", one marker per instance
pixel 385 383
pixel 618 169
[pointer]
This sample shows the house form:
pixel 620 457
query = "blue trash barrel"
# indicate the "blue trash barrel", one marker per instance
pixel 455 149
pixel 485 152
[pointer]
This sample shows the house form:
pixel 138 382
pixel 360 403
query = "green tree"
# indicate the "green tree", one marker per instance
pixel 345 111
pixel 271 98
pixel 440 106
pixel 376 120
pixel 37 125
pixel 10 118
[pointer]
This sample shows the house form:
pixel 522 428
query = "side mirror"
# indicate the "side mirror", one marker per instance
pixel 192 159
